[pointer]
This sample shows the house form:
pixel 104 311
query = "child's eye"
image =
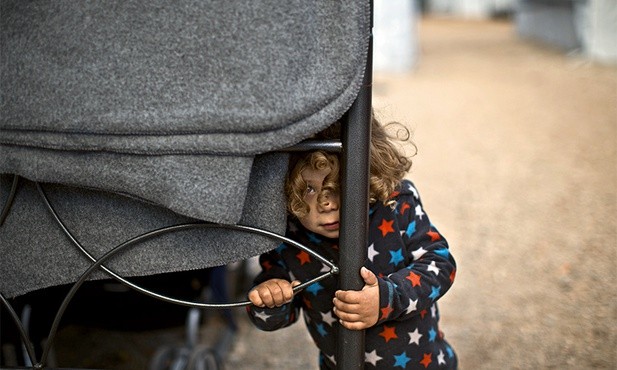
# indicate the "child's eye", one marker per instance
pixel 310 190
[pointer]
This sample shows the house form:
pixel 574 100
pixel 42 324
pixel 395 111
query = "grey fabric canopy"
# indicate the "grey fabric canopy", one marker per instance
pixel 161 109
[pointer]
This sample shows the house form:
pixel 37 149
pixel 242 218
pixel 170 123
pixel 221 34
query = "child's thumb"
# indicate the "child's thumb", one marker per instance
pixel 368 276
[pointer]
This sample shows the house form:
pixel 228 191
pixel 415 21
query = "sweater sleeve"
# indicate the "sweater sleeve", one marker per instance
pixel 430 268
pixel 270 319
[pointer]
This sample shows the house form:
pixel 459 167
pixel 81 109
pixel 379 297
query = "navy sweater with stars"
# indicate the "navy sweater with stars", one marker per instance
pixel 414 268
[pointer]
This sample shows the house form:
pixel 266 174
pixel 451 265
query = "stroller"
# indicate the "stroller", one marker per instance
pixel 140 139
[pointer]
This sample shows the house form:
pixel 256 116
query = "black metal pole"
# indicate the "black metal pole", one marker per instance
pixel 356 134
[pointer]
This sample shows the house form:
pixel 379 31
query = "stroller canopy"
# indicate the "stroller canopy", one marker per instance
pixel 141 114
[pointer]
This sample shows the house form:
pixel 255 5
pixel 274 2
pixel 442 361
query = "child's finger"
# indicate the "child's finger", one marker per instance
pixel 348 296
pixel 255 298
pixel 368 276
pixel 288 292
pixel 268 295
pixel 278 295
pixel 347 316
pixel 355 325
pixel 342 306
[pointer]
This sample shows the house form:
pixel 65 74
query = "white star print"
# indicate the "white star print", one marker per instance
pixel 331 358
pixel 414 191
pixel 441 358
pixel 262 315
pixel 418 253
pixel 324 268
pixel 433 311
pixel 433 267
pixel 419 212
pixel 372 252
pixel 372 357
pixel 328 318
pixel 414 337
pixel 412 306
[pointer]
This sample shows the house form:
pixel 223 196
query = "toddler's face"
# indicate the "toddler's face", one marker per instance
pixel 323 217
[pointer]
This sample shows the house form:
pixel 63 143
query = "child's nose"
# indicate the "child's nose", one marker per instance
pixel 329 202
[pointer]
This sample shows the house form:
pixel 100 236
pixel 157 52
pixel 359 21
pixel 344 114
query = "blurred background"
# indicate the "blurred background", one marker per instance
pixel 513 108
pixel 513 105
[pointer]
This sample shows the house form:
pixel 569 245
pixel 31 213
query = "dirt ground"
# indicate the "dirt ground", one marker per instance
pixel 517 166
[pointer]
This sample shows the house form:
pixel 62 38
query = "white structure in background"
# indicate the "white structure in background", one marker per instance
pixel 599 30
pixel 395 36
pixel 588 26
pixel 471 8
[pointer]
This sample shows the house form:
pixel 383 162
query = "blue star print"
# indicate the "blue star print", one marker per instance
pixel 397 257
pixel 313 238
pixel 401 360
pixel 411 229
pixel 432 334
pixel 281 247
pixel 321 330
pixel 314 288
pixel 443 252
pixel 435 292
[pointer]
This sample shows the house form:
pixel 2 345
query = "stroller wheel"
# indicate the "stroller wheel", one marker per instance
pixel 169 358
pixel 204 358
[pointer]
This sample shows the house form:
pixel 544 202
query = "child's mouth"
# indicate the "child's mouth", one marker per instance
pixel 331 226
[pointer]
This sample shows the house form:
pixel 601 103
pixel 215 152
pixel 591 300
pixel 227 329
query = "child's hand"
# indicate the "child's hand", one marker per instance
pixel 359 310
pixel 272 293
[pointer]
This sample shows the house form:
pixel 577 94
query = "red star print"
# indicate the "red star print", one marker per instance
pixel 423 313
pixel 414 278
pixel 307 303
pixel 266 265
pixel 405 206
pixel 385 312
pixel 434 235
pixel 388 333
pixel 452 275
pixel 335 246
pixel 386 227
pixel 426 360
pixel 394 194
pixel 303 257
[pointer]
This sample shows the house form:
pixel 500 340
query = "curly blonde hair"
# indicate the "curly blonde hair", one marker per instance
pixel 388 165
pixel 295 186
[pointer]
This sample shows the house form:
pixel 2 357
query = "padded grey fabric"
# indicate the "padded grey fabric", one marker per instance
pixel 138 114
pixel 206 187
pixel 36 253
pixel 214 78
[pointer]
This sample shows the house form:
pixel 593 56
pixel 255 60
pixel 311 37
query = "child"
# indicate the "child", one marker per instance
pixel 409 266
